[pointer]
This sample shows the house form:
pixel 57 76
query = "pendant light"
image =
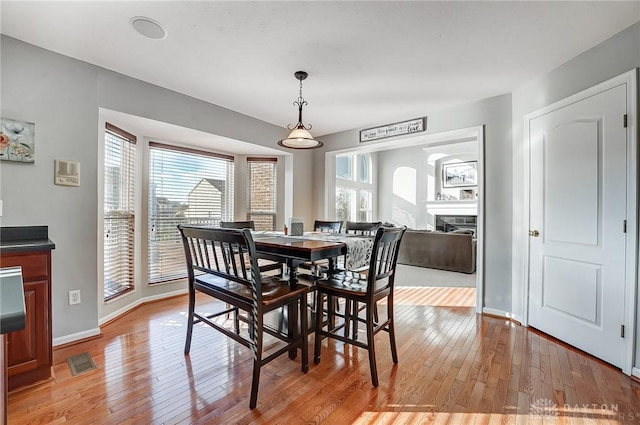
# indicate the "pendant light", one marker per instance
pixel 300 138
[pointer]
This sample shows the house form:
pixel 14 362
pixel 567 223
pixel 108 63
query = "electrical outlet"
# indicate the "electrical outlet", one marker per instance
pixel 74 297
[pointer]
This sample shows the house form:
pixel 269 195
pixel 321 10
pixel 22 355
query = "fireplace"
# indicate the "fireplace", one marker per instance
pixel 448 223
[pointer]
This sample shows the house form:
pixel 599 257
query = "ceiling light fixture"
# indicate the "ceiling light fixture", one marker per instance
pixel 300 138
pixel 148 27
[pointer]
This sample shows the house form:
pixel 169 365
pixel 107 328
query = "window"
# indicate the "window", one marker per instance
pixel 365 211
pixel 185 187
pixel 354 187
pixel 364 172
pixel 344 164
pixel 261 192
pixel 119 211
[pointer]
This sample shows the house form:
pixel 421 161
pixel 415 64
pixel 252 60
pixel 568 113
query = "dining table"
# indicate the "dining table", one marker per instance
pixel 311 246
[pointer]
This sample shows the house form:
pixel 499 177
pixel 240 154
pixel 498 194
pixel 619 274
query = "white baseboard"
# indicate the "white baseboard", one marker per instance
pixel 96 331
pixel 165 295
pixel 501 313
pixel 76 337
pixel 120 312
pixel 136 303
pixel 635 372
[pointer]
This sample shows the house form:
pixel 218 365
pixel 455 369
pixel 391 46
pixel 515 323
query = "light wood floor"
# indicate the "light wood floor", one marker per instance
pixel 455 367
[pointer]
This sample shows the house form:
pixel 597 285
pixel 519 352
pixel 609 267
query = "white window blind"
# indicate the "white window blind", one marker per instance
pixel 262 198
pixel 186 186
pixel 119 211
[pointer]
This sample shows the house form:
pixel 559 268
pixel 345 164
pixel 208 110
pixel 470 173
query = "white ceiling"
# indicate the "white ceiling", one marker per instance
pixel 369 63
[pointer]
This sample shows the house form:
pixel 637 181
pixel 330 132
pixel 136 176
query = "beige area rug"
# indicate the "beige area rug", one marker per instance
pixel 425 277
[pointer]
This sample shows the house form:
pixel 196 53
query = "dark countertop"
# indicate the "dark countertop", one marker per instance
pixel 25 239
pixel 12 308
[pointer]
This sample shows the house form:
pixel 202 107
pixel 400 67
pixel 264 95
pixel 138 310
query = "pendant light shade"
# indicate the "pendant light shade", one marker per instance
pixel 300 138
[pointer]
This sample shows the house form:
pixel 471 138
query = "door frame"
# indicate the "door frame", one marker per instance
pixel 629 78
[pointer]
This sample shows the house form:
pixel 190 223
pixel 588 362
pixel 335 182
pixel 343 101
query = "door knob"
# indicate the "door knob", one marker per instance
pixel 534 233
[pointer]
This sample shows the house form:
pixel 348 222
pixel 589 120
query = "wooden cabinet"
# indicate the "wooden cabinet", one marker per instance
pixel 29 351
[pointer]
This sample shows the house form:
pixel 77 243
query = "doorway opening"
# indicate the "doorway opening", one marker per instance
pixel 411 187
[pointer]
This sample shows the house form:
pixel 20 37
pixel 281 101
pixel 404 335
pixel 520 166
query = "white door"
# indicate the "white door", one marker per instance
pixel 578 169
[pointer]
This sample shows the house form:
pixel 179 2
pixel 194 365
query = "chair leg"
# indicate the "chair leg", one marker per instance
pixel 254 384
pixel 236 321
pixel 392 330
pixel 347 317
pixel 304 333
pixel 318 330
pixel 257 360
pixel 371 347
pixel 192 306
pixel 331 317
pixel 356 310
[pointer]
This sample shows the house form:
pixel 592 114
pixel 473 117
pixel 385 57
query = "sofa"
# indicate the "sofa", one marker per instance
pixel 453 251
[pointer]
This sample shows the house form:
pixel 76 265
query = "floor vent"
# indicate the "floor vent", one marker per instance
pixel 81 363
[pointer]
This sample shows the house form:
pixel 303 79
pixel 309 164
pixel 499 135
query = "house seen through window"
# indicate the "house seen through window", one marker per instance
pixel 262 198
pixel 185 187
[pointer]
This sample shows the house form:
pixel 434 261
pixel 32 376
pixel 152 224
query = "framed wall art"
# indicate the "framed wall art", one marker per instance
pixel 17 141
pixel 459 174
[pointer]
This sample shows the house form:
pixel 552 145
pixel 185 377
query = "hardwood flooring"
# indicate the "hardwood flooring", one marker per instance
pixel 455 367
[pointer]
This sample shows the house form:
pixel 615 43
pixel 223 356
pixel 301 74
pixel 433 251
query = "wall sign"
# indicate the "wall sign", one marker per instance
pixel 405 127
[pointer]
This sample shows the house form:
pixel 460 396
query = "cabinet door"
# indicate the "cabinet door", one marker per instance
pixel 28 349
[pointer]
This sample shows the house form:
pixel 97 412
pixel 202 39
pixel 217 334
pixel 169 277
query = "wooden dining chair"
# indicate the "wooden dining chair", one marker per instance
pixel 328 226
pixel 366 289
pixel 266 263
pixel 215 264
pixel 360 228
pixel 365 228
pixel 319 266
pixel 249 224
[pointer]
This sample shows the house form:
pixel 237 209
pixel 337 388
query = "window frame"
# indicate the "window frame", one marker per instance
pixel 227 212
pixel 252 214
pixel 355 184
pixel 128 217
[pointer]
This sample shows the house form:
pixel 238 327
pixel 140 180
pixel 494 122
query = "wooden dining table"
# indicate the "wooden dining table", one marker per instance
pixel 293 251
pixel 296 250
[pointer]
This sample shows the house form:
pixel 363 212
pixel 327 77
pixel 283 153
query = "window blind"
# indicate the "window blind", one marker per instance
pixel 262 198
pixel 119 211
pixel 186 186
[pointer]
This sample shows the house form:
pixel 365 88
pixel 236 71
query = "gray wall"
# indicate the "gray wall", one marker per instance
pixel 416 214
pixel 62 96
pixel 388 161
pixel 495 114
pixel 611 58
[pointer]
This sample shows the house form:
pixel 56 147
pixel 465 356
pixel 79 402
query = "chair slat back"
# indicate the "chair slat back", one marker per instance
pixel 222 252
pixel 249 224
pixel 362 227
pixel 384 256
pixel 327 226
